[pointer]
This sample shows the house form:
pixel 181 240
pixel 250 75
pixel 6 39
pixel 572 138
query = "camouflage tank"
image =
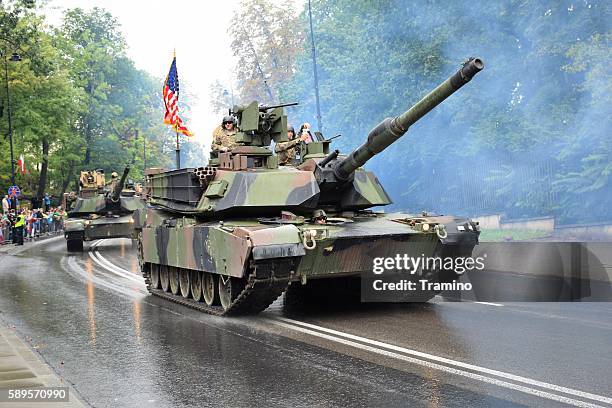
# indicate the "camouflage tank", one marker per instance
pixel 101 210
pixel 231 237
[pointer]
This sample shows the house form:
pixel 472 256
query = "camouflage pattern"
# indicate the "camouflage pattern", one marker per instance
pixel 286 151
pixel 99 227
pixel 101 211
pixel 241 219
pixel 223 138
pixel 345 247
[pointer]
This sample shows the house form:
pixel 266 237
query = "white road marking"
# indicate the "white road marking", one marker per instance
pixel 103 262
pixel 71 265
pixel 418 357
pixel 413 356
pixel 442 300
pixel 490 304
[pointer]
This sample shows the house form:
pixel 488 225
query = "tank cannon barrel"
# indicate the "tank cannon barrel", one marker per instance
pixel 116 191
pixel 391 129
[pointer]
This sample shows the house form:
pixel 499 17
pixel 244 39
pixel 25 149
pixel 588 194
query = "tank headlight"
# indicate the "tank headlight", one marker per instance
pixel 131 221
pixel 87 222
pixel 425 227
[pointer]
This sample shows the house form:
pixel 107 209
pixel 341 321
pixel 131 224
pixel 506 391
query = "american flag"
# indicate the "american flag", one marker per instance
pixel 171 95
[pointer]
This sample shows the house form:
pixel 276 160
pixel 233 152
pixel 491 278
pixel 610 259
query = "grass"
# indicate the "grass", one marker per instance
pixel 511 235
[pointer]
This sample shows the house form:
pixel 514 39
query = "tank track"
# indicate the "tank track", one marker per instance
pixel 267 281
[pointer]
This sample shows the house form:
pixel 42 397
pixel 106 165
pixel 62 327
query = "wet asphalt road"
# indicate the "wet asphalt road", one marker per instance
pixel 91 319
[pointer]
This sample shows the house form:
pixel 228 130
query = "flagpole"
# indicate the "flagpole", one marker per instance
pixel 178 151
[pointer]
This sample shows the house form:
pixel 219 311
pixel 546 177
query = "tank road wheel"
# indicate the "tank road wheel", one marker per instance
pixel 229 289
pixel 209 287
pixel 173 273
pixel 184 282
pixel 164 277
pixel 154 276
pixel 196 285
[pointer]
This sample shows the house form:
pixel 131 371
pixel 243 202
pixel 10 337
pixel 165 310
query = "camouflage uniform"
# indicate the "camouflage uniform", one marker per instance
pixel 286 150
pixel 223 138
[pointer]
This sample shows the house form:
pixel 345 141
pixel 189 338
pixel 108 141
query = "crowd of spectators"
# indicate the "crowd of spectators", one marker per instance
pixel 24 224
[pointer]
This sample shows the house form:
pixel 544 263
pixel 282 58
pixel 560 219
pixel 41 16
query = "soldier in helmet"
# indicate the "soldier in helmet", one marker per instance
pixel 286 150
pixel 224 136
pixel 113 181
pixel 306 133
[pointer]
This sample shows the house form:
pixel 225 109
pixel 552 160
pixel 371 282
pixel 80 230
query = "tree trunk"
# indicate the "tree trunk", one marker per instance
pixel 67 179
pixel 42 182
pixel 87 146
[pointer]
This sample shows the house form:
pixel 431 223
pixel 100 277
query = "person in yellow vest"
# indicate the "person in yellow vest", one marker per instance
pixel 18 229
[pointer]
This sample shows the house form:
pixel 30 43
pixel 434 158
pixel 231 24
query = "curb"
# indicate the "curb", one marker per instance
pixel 11 249
pixel 21 367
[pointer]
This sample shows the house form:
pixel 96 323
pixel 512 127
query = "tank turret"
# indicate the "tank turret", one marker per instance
pixel 248 179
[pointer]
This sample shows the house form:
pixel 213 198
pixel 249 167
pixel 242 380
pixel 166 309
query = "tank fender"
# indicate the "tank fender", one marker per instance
pixel 457 230
pixel 277 242
pixel 74 225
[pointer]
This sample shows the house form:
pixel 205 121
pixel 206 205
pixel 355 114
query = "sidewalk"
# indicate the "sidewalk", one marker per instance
pixel 11 249
pixel 20 367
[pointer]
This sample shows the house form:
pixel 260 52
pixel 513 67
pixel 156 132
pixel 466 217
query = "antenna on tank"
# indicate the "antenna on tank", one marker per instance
pixel 314 68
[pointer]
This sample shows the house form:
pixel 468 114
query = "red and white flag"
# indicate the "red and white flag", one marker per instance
pixel 21 164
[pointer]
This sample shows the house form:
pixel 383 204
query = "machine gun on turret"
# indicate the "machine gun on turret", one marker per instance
pixel 260 124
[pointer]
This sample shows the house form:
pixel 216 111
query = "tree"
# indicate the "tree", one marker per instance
pixel 45 102
pixel 265 39
pixel 501 142
pixel 92 43
pixel 78 101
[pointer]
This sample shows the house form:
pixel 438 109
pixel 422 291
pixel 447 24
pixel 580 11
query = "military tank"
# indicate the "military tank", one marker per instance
pixel 231 237
pixel 101 210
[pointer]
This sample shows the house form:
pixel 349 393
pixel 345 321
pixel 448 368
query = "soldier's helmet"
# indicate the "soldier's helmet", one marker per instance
pixel 114 174
pixel 228 119
pixel 290 129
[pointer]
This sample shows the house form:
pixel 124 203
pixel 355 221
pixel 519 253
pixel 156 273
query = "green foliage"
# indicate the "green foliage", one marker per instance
pixel 265 40
pixel 496 235
pixel 529 137
pixel 77 100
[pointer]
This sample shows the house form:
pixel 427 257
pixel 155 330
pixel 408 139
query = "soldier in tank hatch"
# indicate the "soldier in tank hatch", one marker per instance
pixel 286 150
pixel 224 136
pixel 113 181
pixel 306 133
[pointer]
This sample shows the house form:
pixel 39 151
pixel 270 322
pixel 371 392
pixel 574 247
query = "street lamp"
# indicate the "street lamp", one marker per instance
pixel 14 58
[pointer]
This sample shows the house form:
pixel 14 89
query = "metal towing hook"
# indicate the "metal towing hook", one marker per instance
pixel 441 231
pixel 309 236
